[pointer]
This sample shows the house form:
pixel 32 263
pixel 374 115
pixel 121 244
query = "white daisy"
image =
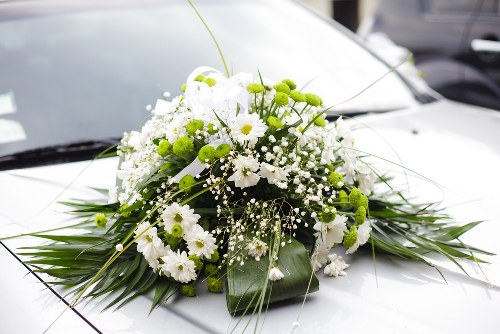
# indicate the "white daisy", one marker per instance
pixel 363 236
pixel 179 266
pixel 247 128
pixel 200 242
pixel 336 266
pixel 175 214
pixel 148 242
pixel 332 232
pixel 245 175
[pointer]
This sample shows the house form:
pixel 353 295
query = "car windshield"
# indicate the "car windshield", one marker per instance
pixel 85 70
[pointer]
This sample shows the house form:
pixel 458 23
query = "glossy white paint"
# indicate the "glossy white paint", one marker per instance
pixel 453 144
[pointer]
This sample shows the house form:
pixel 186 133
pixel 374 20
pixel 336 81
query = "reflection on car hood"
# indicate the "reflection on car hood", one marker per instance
pixel 453 144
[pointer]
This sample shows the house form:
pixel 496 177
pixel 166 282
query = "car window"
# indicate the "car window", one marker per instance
pixel 87 74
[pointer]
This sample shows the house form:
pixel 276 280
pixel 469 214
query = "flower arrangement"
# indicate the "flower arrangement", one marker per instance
pixel 242 185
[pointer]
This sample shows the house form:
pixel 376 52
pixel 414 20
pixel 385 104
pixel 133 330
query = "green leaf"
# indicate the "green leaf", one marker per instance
pixel 452 233
pixel 245 282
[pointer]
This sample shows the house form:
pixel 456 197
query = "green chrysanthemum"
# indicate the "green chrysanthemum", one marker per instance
pixel 328 214
pixel 211 129
pixel 297 96
pixel 210 81
pixel 313 99
pixel 186 182
pixel 176 231
pixel 320 121
pixel 364 202
pixel 198 263
pixel 281 99
pixel 360 215
pixel 210 270
pixel 100 220
pixel 255 88
pixel 183 146
pixel 344 199
pixel 188 290
pixel 193 126
pixel 274 122
pixel 355 197
pixel 351 237
pixel 336 180
pixel 214 285
pixel 222 150
pixel 289 83
pixel 164 148
pixel 282 87
pixel 171 240
pixel 206 154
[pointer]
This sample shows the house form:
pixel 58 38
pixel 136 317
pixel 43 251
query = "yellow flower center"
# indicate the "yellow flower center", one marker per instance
pixel 178 218
pixel 245 129
pixel 200 244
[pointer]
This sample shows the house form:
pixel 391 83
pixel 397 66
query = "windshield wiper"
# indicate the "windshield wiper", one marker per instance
pixel 78 151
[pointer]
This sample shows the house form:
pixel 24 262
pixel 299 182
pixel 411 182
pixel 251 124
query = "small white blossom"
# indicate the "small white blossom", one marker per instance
pixel 245 175
pixel 336 266
pixel 257 248
pixel 275 274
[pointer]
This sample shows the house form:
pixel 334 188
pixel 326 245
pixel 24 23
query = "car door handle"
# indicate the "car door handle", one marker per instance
pixel 483 45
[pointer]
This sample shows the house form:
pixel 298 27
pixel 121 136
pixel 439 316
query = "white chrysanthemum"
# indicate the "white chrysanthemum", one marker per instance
pixel 148 242
pixel 245 175
pixel 319 256
pixel 275 274
pixel 155 262
pixel 363 236
pixel 332 232
pixel 273 174
pixel 336 266
pixel 257 248
pixel 200 242
pixel 247 128
pixel 179 266
pixel 182 215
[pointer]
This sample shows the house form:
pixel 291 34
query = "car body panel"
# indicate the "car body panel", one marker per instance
pixel 453 144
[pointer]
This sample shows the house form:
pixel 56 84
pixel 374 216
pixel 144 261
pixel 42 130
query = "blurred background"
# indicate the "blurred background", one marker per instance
pixel 454 43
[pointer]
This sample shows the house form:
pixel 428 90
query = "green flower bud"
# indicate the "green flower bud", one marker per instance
pixel 188 290
pixel 355 197
pixel 282 87
pixel 198 263
pixel 183 88
pixel 289 83
pixel 210 270
pixel 183 146
pixel 176 231
pixel 336 180
pixel 255 88
pixel 313 99
pixel 171 240
pixel 351 237
pixel 274 122
pixel 199 77
pixel 214 257
pixel 328 214
pixel 210 81
pixel 211 129
pixel 186 182
pixel 206 154
pixel 164 148
pixel 222 150
pixel 281 99
pixel 214 285
pixel 297 96
pixel 344 199
pixel 193 126
pixel 320 121
pixel 360 215
pixel 100 220
pixel 364 202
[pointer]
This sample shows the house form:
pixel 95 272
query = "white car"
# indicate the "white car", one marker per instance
pixel 80 73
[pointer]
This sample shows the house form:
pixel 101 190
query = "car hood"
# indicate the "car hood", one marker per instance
pixel 454 148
